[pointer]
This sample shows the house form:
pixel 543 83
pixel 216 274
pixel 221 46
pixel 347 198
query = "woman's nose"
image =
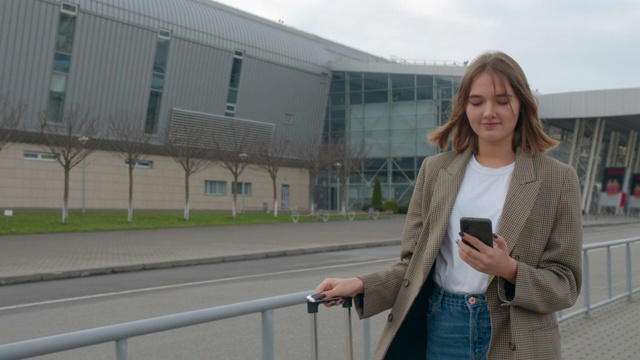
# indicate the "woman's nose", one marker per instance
pixel 488 112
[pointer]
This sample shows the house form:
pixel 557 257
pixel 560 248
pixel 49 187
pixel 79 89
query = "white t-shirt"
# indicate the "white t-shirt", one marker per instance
pixel 482 194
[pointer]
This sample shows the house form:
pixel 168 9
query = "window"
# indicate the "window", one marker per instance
pixel 69 9
pixel 244 189
pixel 152 112
pixel 230 110
pixel 61 61
pixel 141 164
pixel 39 156
pixel 234 83
pixel 213 187
pixel 157 80
pixel 288 119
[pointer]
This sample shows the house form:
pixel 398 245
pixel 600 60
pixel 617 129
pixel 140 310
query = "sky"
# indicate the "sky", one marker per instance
pixel 562 45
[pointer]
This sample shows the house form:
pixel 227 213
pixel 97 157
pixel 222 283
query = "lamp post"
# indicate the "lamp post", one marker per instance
pixel 243 158
pixel 83 140
pixel 338 165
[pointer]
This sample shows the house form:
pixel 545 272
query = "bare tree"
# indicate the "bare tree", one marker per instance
pixel 10 118
pixel 346 160
pixel 270 158
pixel 131 142
pixel 69 141
pixel 234 148
pixel 314 157
pixel 189 147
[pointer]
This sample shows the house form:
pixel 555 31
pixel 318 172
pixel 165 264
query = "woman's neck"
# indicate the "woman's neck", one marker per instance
pixel 495 157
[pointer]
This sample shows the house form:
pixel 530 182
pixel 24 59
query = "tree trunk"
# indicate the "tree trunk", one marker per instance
pixel 130 210
pixel 186 197
pixel 275 197
pixel 311 192
pixel 343 196
pixel 234 210
pixel 65 200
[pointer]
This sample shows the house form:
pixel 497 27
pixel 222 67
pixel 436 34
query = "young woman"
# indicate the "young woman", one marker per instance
pixel 449 300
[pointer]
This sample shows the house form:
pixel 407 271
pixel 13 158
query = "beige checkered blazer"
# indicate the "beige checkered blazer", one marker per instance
pixel 542 225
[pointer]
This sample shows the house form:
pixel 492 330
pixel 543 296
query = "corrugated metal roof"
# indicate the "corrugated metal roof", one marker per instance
pixel 222 26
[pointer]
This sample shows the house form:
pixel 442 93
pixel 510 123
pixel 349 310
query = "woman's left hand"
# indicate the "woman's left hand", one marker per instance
pixel 489 260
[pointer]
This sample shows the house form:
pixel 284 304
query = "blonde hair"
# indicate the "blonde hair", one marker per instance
pixel 528 136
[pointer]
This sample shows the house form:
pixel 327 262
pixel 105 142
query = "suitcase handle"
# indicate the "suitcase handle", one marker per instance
pixel 312 306
pixel 313 301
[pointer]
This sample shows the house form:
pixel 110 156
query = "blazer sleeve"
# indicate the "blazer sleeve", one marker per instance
pixel 555 282
pixel 381 287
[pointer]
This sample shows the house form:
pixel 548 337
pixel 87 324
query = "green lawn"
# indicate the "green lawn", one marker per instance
pixel 50 222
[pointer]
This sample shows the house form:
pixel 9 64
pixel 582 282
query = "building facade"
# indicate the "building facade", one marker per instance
pixel 172 65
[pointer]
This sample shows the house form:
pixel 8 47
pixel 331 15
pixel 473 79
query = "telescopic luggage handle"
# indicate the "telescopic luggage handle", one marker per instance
pixel 313 302
pixel 312 305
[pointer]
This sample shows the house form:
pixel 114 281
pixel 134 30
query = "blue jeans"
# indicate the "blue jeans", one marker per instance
pixel 458 326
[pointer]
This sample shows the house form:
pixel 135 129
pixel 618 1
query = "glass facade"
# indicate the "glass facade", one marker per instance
pixel 391 115
pixel 157 81
pixel 234 83
pixel 61 61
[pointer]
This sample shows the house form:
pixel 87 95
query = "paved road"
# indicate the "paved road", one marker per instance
pixel 608 335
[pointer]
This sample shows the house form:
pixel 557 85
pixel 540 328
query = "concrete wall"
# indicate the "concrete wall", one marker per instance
pixel 39 184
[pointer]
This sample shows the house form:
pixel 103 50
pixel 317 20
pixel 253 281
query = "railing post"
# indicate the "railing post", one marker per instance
pixel 609 273
pixel 629 273
pixel 312 310
pixel 267 335
pixel 122 349
pixel 587 284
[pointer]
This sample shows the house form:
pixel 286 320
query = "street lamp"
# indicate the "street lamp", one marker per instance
pixel 338 165
pixel 83 140
pixel 243 158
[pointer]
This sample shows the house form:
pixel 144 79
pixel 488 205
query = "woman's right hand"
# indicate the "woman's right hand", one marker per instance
pixel 333 287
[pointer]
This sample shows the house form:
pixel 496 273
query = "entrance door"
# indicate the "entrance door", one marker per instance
pixel 285 194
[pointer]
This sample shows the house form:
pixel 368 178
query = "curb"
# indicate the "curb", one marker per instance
pixel 20 279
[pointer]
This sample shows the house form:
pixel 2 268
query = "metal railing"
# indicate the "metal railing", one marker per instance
pixel 120 333
pixel 587 292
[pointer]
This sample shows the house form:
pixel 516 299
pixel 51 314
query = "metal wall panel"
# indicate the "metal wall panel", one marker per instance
pixel 228 28
pixel 267 91
pixel 26 53
pixel 197 79
pixel 590 104
pixel 111 67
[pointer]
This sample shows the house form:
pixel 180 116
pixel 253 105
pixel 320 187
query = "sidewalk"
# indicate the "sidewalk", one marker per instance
pixel 610 334
pixel 28 258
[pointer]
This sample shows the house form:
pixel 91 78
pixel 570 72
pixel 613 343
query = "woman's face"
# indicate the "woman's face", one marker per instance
pixel 492 110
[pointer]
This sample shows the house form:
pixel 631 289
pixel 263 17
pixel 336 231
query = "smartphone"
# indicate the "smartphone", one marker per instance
pixel 478 227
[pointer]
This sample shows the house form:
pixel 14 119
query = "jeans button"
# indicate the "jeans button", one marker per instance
pixel 472 300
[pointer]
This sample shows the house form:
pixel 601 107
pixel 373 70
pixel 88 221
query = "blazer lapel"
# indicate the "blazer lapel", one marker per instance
pixel 443 198
pixel 520 199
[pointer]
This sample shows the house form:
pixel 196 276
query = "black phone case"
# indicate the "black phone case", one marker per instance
pixel 478 227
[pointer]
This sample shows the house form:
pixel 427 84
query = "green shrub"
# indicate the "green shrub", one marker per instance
pixel 390 205
pixel 366 207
